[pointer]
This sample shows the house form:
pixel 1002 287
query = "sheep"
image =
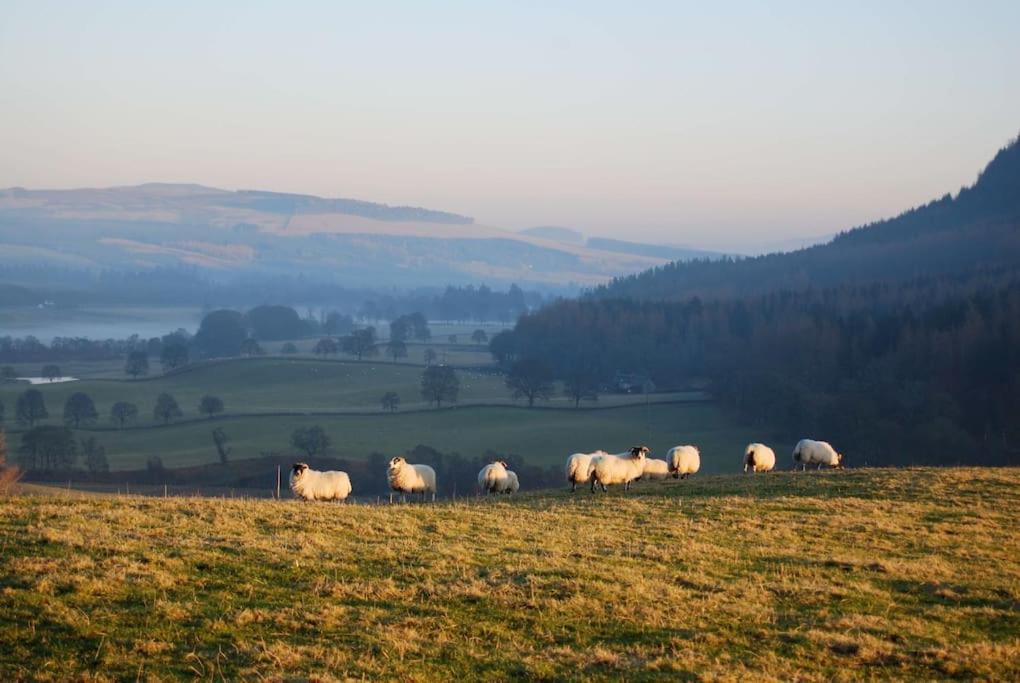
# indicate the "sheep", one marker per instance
pixel 759 458
pixel 310 484
pixel 577 468
pixel 408 478
pixel 683 461
pixel 809 451
pixel 606 469
pixel 655 469
pixel 514 483
pixel 494 478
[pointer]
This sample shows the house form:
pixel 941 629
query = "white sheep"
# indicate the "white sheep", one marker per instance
pixel 577 468
pixel 408 478
pixel 606 469
pixel 811 452
pixel 310 484
pixel 514 483
pixel 759 458
pixel 493 478
pixel 655 469
pixel 683 461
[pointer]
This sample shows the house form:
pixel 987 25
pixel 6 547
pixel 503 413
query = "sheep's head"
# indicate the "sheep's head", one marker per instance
pixel 297 469
pixel 839 461
pixel 639 452
pixel 396 463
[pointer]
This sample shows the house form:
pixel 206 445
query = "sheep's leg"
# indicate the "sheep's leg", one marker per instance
pixel 573 486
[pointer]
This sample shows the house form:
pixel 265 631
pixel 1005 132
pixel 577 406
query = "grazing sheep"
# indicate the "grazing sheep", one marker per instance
pixel 606 469
pixel 408 478
pixel 577 468
pixel 494 478
pixel 514 483
pixel 683 461
pixel 310 484
pixel 811 452
pixel 655 469
pixel 759 458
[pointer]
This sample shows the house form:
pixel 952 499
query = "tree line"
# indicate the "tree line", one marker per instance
pixel 926 371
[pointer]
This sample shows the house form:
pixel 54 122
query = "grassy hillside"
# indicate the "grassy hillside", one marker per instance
pixel 818 576
pixel 541 436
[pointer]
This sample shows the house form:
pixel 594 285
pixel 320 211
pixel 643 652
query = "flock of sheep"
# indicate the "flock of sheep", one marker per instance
pixel 598 468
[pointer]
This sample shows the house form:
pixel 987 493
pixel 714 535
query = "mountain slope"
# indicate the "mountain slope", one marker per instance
pixel 229 233
pixel 979 227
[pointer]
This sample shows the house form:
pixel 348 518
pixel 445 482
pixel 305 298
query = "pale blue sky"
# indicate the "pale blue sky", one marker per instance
pixel 724 126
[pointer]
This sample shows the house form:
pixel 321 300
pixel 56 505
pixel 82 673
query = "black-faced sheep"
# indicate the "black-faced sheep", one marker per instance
pixel 310 484
pixel 607 469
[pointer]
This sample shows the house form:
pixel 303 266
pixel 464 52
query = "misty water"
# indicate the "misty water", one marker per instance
pixel 97 322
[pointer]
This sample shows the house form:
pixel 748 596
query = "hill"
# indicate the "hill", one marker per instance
pixel 896 341
pixel 229 236
pixel 906 574
pixel 979 228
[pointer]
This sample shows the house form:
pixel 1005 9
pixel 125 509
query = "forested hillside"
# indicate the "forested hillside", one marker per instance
pixel 978 228
pixel 899 341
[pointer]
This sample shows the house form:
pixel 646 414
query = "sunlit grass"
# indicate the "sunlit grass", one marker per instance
pixel 879 573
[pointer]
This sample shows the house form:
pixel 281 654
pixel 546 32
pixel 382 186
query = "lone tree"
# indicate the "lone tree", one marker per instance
pixel 430 356
pixel 123 412
pixel 94 455
pixel 390 401
pixel 221 439
pixel 137 363
pixel 174 354
pixel 79 408
pixel 439 383
pixel 289 349
pixel 30 407
pixel 166 408
pixel 581 384
pixel 530 378
pixel 51 372
pixel 326 346
pixel 396 349
pixel 479 337
pixel 311 440
pixel 361 343
pixel 210 405
pixel 7 374
pixel 250 347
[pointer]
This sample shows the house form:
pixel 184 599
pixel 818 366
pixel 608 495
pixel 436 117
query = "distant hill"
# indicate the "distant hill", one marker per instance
pixel 226 235
pixel 658 251
pixel 651 250
pixel 978 228
pixel 556 234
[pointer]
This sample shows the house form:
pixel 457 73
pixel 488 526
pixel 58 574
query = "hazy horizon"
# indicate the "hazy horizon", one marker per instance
pixel 665 123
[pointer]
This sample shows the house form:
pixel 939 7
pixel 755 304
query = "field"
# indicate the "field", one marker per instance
pixel 267 398
pixel 816 576
pixel 542 437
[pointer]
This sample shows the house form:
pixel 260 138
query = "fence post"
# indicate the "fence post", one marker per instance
pixel 277 482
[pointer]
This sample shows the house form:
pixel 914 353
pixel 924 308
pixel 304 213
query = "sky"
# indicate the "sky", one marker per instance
pixel 723 125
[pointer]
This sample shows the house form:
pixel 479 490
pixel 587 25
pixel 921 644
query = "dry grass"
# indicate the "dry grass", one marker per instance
pixel 860 574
